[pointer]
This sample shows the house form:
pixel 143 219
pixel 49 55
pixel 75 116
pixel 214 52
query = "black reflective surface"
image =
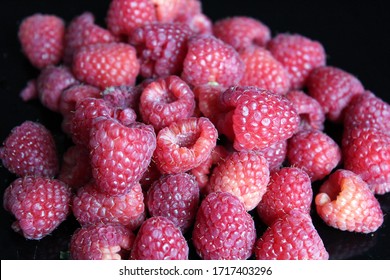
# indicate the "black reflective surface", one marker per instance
pixel 355 36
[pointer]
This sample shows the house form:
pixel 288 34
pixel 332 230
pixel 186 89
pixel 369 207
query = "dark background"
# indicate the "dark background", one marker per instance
pixel 355 36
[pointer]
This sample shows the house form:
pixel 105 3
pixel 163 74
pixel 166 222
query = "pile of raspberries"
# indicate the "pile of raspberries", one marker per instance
pixel 181 126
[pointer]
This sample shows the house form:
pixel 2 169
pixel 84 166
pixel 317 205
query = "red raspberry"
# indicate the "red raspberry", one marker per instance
pixel 298 54
pixel 175 197
pixel 38 204
pixel 75 168
pixel 161 48
pixel 124 16
pixel 264 71
pixel 73 94
pixel 106 64
pixel 211 60
pixel 101 242
pixel 242 32
pixel 223 229
pixel 83 31
pixel 208 100
pixel 119 154
pixel 41 37
pixel 333 88
pixel 310 112
pixel 346 202
pixel 292 237
pixel 30 149
pixel 90 206
pixel 366 152
pixel 159 239
pixel 315 152
pixel 203 172
pixel 184 145
pixel 289 188
pixel 51 82
pixel 244 174
pixel 165 101
pixel 260 118
pixel 368 110
pixel 275 154
pixel 30 91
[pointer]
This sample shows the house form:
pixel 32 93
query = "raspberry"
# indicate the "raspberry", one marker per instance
pixel 199 23
pixel 83 31
pixel 175 197
pixel 315 152
pixel 333 88
pixel 204 170
pixel 346 202
pixel 30 149
pixel 124 16
pixel 168 10
pixel 73 94
pixel 310 112
pixel 223 229
pixel 292 237
pixel 184 145
pixel 289 188
pixel 208 100
pixel 260 118
pixel 30 91
pixel 106 64
pixel 150 175
pixel 275 154
pixel 264 71
pixel 101 242
pixel 50 84
pixel 244 174
pixel 38 204
pixel 119 154
pixel 368 110
pixel 75 168
pixel 161 48
pixel 165 101
pixel 242 32
pixel 90 206
pixel 159 239
pixel 211 60
pixel 366 152
pixel 298 54
pixel 41 37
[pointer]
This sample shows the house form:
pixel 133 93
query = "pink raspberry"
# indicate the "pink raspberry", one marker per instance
pixel 75 168
pixel 223 229
pixel 124 16
pixel 315 152
pixel 51 82
pixel 310 112
pixel 106 64
pixel 73 94
pixel 346 202
pixel 292 237
pixel 242 32
pixel 119 154
pixel 90 206
pixel 289 188
pixel 210 60
pixel 42 37
pixel 243 174
pixel 161 48
pixel 175 197
pixel 30 149
pixel 165 101
pixel 333 88
pixel 83 31
pixel 199 23
pixel 184 145
pixel 159 239
pixel 264 71
pixel 366 152
pixel 298 54
pixel 275 154
pixel 38 204
pixel 368 110
pixel 101 242
pixel 168 10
